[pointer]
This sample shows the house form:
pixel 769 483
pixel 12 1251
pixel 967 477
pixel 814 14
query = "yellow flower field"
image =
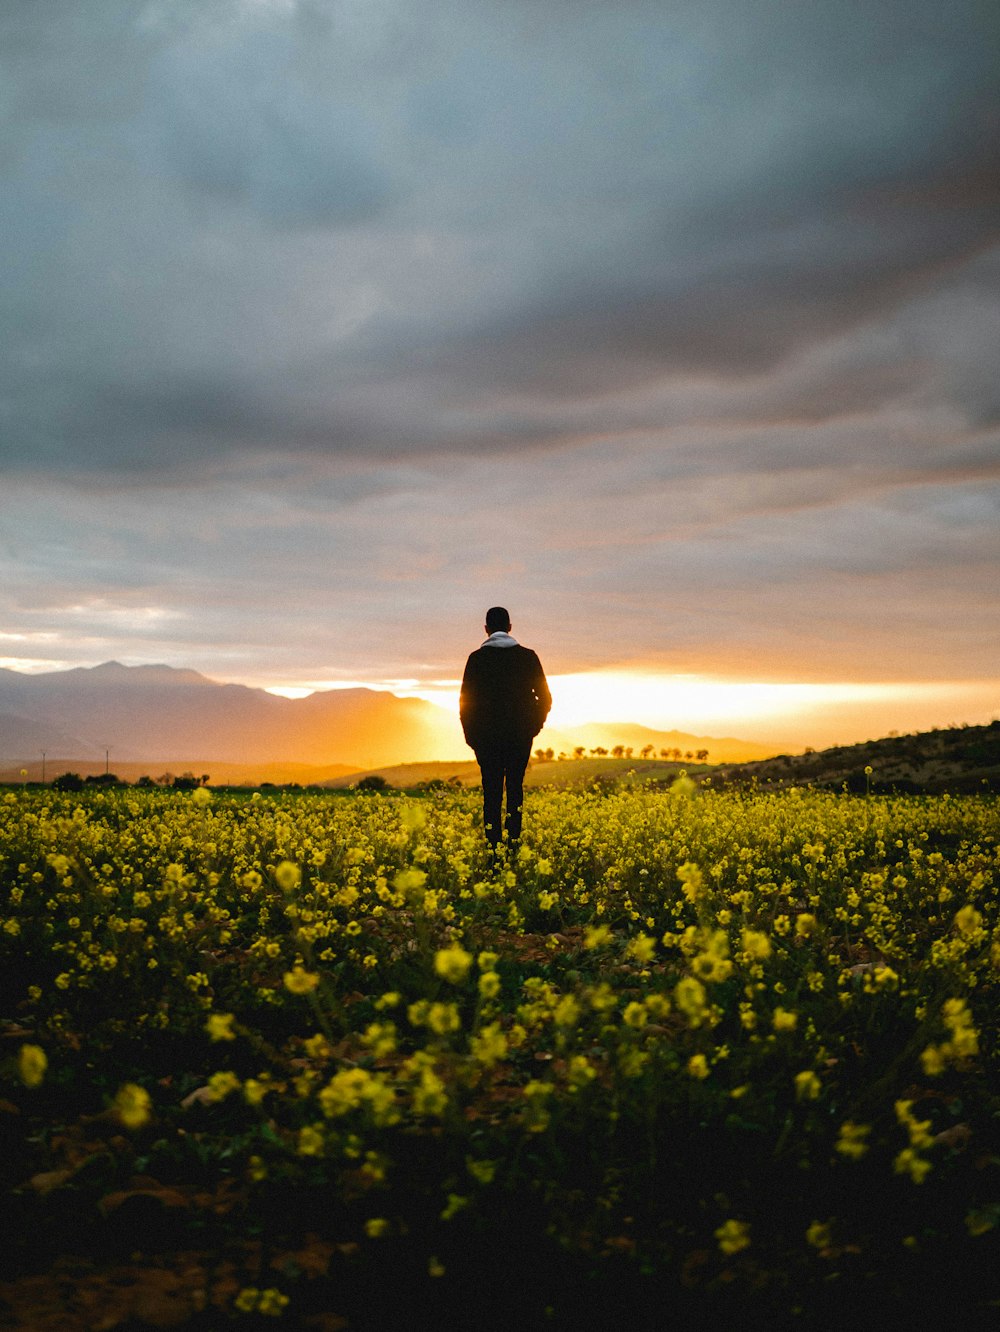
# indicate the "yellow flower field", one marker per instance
pixel 689 1053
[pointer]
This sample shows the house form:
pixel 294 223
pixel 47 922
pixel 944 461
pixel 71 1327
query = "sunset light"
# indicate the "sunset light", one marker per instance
pixel 499 690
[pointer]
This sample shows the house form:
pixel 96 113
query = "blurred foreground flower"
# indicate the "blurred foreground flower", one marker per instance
pixel 31 1065
pixel 132 1105
pixel 733 1236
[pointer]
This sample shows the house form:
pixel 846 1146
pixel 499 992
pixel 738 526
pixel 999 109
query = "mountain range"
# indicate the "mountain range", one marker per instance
pixel 163 715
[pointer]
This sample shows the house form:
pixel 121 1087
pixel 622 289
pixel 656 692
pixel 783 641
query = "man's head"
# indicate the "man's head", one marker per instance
pixel 497 619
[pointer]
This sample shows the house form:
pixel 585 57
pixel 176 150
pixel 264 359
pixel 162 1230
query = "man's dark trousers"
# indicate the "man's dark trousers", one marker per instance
pixel 503 763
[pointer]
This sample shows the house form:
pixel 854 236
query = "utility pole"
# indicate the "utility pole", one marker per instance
pixel 107 761
pixel 43 767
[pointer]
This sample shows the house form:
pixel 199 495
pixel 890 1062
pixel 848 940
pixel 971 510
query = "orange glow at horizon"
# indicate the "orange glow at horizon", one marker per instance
pixel 783 712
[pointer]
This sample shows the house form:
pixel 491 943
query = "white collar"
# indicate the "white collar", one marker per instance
pixel 499 638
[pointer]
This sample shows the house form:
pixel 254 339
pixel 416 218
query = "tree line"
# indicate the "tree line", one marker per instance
pixel 620 751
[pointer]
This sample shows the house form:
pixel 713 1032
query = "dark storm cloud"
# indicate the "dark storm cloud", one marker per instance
pixel 336 229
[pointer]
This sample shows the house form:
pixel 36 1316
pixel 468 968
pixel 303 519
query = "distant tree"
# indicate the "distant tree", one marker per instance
pixel 539 755
pixel 647 751
pixel 103 779
pixel 664 753
pixel 628 751
pixel 373 782
pixel 618 751
pixel 601 752
pixel 69 781
pixel 675 754
pixel 579 752
pixel 563 756
pixel 701 755
pixel 187 781
pixel 145 780
pixel 689 754
pixel 204 778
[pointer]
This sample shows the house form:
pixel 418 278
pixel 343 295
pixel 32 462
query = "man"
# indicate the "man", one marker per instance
pixel 503 705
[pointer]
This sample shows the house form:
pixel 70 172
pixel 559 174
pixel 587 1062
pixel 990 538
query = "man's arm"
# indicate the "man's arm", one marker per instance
pixel 543 699
pixel 468 704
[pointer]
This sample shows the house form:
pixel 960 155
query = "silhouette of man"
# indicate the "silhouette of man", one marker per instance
pixel 503 705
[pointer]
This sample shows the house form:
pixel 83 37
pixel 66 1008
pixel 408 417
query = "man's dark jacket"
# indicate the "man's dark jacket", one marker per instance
pixel 505 698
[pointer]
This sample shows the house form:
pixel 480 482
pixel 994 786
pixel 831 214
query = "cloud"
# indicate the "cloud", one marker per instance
pixel 311 228
pixel 330 325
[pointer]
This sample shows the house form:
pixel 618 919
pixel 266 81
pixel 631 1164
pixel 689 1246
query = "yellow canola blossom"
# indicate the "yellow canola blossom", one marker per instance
pixel 300 981
pixel 132 1105
pixel 733 1237
pixel 32 1063
pixel 452 964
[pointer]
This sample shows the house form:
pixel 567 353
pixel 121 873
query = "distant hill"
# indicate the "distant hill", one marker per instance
pixel 158 718
pixel 957 759
pixel 156 714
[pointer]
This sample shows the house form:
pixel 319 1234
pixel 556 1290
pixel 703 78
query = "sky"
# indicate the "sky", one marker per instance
pixel 671 327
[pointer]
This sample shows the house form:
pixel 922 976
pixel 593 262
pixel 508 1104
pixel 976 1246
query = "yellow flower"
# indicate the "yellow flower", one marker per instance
pixel 482 1172
pixel 272 1303
pixel 380 1037
pixel 805 924
pixel 933 1062
pixel 784 1020
pixel 132 1105
pixel 443 1019
pixel 489 985
pixel 690 875
pixel 851 1140
pixel 596 936
pixel 807 1086
pixel 254 1091
pixel 345 1091
pixel 756 945
pixel 455 1204
pixel 908 1162
pixel 287 876
pixel 299 981
pixel 968 920
pixel 635 1015
pixel 819 1235
pixel 430 1096
pixel 376 1227
pixel 221 1084
pixel 733 1236
pixel 246 1300
pixel 489 1045
pixel 579 1073
pixel 410 882
pixel 452 964
pixel 642 948
pixel 413 817
pixel 697 1067
pixel 32 1062
pixel 220 1025
pixel 311 1141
